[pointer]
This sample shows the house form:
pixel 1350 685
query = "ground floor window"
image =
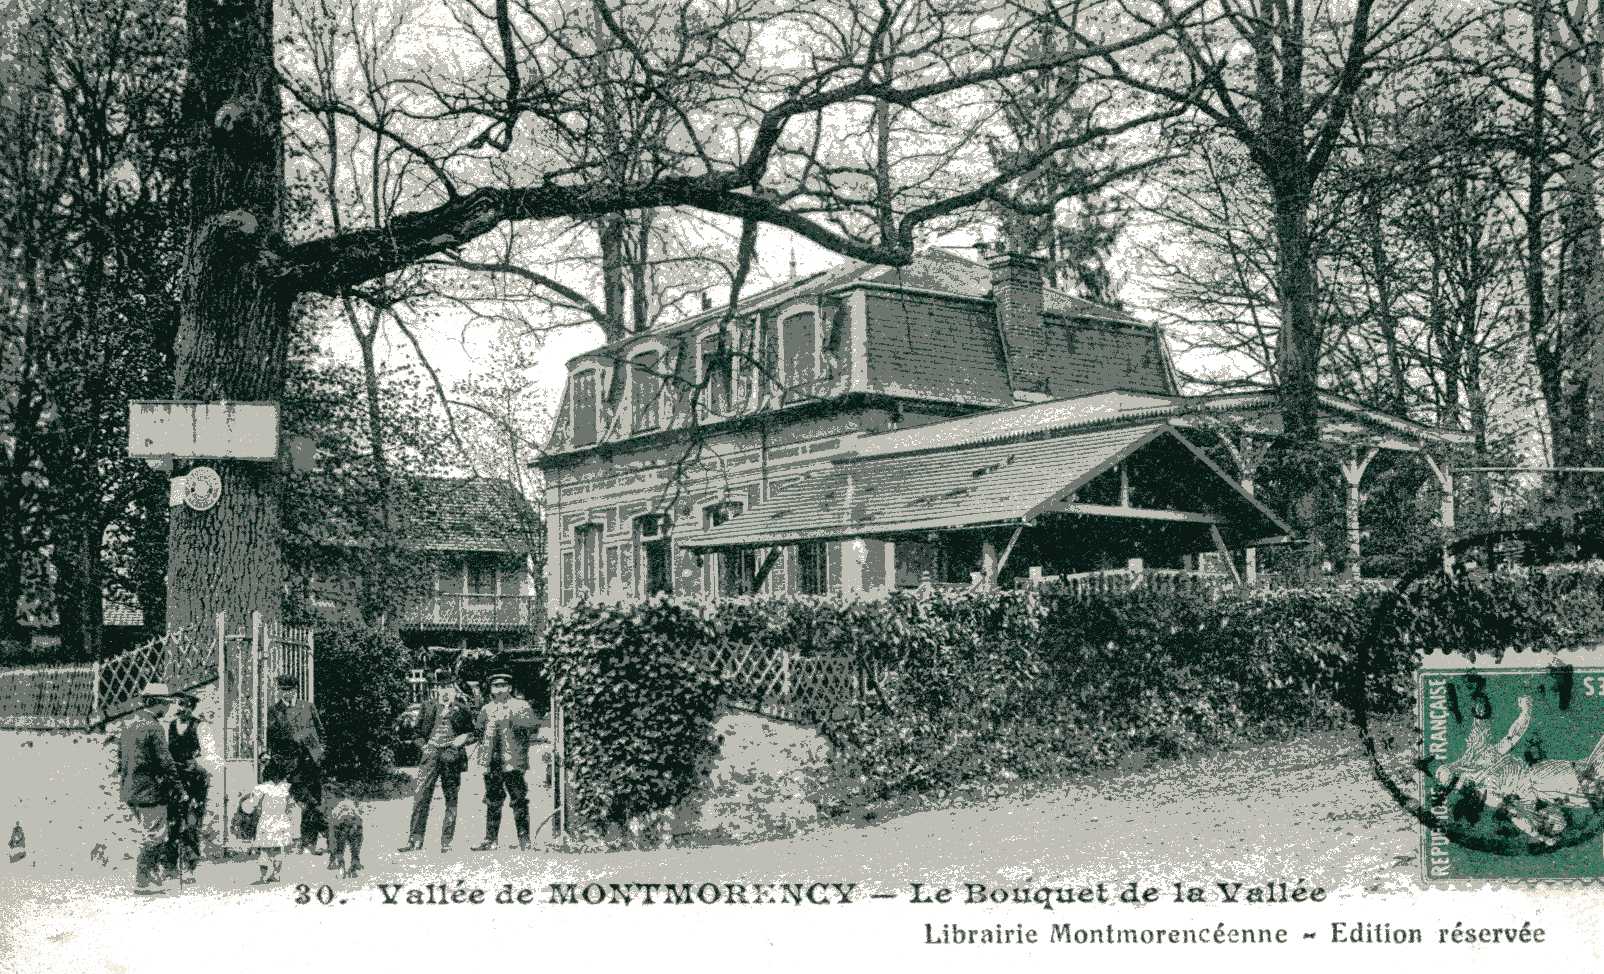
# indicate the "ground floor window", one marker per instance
pixel 587 560
pixel 730 572
pixel 655 558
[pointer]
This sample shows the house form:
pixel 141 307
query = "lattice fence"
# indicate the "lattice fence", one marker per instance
pixel 47 696
pixel 181 659
pixel 787 684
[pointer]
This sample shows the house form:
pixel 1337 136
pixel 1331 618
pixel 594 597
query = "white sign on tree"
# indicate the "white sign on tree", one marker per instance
pixel 177 429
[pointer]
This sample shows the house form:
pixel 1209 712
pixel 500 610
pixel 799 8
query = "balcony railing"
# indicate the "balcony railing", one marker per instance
pixel 450 611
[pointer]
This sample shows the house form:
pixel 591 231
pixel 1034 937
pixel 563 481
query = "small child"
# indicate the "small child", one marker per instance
pixel 274 827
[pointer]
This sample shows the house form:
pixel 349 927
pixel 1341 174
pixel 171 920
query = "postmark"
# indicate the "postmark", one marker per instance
pixel 1512 765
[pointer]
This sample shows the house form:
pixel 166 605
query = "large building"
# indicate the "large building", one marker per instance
pixel 870 428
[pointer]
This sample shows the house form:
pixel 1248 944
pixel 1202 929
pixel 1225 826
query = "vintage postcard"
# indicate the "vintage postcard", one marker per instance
pixel 802 484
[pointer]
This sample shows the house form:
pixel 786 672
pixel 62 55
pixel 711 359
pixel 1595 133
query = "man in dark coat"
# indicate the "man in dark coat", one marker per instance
pixel 445 725
pixel 189 803
pixel 149 780
pixel 505 726
pixel 295 734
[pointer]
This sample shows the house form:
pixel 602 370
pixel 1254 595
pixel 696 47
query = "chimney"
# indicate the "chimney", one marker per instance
pixel 1016 291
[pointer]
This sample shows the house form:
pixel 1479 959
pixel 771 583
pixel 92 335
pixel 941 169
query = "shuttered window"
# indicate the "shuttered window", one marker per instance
pixel 645 390
pixel 584 387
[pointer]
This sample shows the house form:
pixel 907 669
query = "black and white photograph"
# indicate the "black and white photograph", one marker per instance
pixel 806 484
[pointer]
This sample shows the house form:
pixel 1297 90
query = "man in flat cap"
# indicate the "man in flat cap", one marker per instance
pixel 505 725
pixel 445 726
pixel 188 805
pixel 149 781
pixel 295 735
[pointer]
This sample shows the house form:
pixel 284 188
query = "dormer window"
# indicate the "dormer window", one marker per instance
pixel 646 387
pixel 799 342
pixel 714 374
pixel 584 396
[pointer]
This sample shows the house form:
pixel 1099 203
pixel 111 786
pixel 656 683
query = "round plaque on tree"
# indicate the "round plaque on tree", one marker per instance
pixel 202 488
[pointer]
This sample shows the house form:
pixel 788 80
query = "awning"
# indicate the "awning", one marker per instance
pixel 966 487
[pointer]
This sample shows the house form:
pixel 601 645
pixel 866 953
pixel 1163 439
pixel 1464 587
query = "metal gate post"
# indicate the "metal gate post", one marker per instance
pixel 222 722
pixel 258 698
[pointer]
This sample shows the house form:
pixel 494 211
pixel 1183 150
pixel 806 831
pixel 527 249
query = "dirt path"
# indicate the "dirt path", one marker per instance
pixel 1305 812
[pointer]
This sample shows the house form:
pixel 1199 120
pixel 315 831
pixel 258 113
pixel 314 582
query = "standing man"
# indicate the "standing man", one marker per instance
pixel 295 735
pixel 149 781
pixel 189 800
pixel 505 726
pixel 446 726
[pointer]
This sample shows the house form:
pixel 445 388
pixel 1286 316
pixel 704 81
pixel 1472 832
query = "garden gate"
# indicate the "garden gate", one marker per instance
pixel 249 666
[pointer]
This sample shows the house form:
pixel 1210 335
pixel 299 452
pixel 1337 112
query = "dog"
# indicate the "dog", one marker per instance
pixel 345 837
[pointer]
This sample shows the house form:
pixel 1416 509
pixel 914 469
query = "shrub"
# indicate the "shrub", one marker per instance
pixel 361 688
pixel 639 705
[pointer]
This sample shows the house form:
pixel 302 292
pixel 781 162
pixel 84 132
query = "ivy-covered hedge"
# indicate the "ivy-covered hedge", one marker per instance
pixel 1000 685
pixel 638 706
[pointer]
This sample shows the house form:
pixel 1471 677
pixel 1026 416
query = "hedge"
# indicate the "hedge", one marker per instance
pixel 361 689
pixel 994 685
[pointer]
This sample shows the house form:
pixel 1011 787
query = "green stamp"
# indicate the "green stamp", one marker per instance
pixel 1513 766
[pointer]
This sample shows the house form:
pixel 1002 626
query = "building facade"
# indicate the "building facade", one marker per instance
pixel 871 428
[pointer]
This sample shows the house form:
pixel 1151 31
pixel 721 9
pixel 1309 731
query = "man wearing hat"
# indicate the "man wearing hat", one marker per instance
pixel 505 726
pixel 149 781
pixel 446 726
pixel 188 806
pixel 295 735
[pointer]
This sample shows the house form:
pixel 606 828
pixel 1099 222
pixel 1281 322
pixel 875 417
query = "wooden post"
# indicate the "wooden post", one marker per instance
pixel 1225 553
pixel 1249 457
pixel 1445 484
pixel 1353 471
pixel 988 562
pixel 1008 549
pixel 311 657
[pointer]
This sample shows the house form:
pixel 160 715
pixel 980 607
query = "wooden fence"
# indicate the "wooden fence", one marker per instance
pixel 787 684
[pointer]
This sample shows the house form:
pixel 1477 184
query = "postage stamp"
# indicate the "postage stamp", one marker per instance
pixel 1512 767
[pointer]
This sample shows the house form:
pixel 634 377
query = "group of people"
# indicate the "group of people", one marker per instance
pixel 165 786
pixel 503 728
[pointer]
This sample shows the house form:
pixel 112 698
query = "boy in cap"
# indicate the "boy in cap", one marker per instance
pixel 446 725
pixel 505 725
pixel 295 735
pixel 149 780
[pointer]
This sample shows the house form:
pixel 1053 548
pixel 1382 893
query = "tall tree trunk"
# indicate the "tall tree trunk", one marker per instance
pixel 234 324
pixel 612 231
pixel 1298 350
pixel 1545 354
pixel 639 273
pixel 79 581
pixel 1386 313
pixel 375 599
